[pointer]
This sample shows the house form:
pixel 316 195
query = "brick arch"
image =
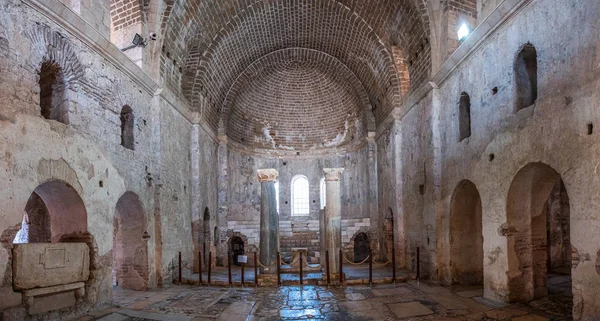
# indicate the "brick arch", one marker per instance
pixel 367 56
pixel 192 27
pixel 349 247
pixel 333 100
pixel 54 47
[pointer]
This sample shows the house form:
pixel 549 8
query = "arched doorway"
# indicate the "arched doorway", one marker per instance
pixel 236 247
pixel 54 210
pixel 361 247
pixel 538 233
pixel 130 253
pixel 466 236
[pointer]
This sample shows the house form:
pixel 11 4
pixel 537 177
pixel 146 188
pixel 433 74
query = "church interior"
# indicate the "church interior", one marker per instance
pixel 299 160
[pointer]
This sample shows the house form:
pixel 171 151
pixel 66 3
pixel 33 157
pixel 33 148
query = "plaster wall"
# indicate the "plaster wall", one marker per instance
pixel 87 153
pixel 243 197
pixel 553 131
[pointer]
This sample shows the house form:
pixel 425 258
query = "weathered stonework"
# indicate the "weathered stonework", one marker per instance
pixel 148 153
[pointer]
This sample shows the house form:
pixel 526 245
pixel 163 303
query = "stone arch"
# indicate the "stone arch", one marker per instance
pixel 466 235
pixel 57 211
pixel 56 48
pixel 236 247
pixel 362 247
pixel 526 80
pixel 60 71
pixel 130 251
pixel 349 247
pixel 527 231
pixel 244 239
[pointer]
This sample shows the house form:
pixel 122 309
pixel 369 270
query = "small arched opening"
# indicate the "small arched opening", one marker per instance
pixel 362 249
pixel 464 116
pixel 236 247
pixel 127 126
pixel 130 252
pixel 466 235
pixel 538 218
pixel 526 77
pixel 54 210
pixel 54 103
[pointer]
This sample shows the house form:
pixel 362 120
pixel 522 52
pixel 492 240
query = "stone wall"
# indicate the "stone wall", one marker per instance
pixel 87 153
pixel 241 211
pixel 423 146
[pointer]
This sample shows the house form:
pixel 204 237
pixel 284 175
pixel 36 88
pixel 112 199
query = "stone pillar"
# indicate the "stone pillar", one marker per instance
pixel 269 221
pixel 333 217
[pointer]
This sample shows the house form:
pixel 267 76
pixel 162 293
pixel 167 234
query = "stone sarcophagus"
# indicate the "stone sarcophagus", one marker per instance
pixel 50 270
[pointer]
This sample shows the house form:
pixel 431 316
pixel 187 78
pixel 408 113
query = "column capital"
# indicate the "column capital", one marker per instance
pixel 267 175
pixel 333 174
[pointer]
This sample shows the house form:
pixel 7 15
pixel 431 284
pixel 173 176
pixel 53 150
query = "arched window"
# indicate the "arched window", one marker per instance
pixel 127 121
pixel 464 116
pixel 323 193
pixel 277 195
pixel 300 197
pixel 53 99
pixel 526 77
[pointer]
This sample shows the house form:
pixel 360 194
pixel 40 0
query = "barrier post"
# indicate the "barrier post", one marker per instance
pixel 278 269
pixel 327 266
pixel 180 268
pixel 200 267
pixel 370 267
pixel 341 268
pixel 229 268
pixel 243 274
pixel 255 271
pixel 209 265
pixel 418 264
pixel 394 264
pixel 301 281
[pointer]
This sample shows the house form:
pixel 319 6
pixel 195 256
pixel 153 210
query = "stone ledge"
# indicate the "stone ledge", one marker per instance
pixel 53 289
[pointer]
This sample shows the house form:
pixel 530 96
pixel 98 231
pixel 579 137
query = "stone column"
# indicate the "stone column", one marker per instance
pixel 333 217
pixel 269 220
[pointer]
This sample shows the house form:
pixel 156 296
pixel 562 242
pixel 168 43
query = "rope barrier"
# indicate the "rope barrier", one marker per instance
pixel 293 262
pixel 365 260
pixel 265 266
pixel 382 264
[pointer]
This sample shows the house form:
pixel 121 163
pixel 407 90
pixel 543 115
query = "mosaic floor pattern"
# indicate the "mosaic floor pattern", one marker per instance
pixel 406 301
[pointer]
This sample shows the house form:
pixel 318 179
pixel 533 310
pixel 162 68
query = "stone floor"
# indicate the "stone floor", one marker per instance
pixel 406 301
pixel 353 275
